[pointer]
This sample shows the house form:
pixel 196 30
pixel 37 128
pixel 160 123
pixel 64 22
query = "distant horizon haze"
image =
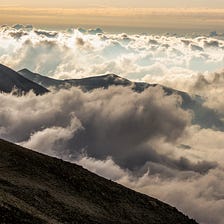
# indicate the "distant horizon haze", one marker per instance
pixel 118 19
pixel 116 3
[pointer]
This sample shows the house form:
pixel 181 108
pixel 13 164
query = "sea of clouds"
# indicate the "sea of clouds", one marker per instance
pixel 142 140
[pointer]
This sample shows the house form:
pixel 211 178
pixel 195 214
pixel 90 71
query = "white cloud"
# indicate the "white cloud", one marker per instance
pixel 52 138
pixel 73 54
pixel 142 140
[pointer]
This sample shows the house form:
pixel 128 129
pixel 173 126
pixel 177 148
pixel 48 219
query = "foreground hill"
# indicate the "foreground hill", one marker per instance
pixel 9 79
pixel 35 188
pixel 203 116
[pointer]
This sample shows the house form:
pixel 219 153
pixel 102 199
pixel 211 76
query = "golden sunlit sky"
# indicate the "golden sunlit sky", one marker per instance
pixel 116 3
pixel 161 14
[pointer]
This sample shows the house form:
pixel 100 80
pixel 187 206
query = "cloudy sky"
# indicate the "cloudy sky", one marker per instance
pixel 131 16
pixel 117 3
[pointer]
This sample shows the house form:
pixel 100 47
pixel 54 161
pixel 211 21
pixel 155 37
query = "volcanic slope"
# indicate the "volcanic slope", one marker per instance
pixel 35 188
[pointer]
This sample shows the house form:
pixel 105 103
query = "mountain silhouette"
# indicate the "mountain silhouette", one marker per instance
pixel 10 80
pixel 203 116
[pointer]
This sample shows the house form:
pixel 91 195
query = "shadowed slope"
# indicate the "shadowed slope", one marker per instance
pixel 10 79
pixel 35 188
pixel 86 84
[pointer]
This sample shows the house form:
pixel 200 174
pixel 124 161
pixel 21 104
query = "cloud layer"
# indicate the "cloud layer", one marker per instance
pixel 116 122
pixel 82 53
pixel 142 140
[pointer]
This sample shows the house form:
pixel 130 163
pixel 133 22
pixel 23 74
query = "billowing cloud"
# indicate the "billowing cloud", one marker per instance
pixel 82 53
pixel 209 85
pixel 136 139
pixel 116 122
pixel 200 196
pixel 142 140
pixel 52 138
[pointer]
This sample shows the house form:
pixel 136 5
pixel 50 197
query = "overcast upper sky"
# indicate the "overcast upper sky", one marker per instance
pixel 116 3
pixel 200 16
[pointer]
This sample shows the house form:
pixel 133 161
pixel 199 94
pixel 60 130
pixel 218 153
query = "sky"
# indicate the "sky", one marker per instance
pixel 128 16
pixel 116 3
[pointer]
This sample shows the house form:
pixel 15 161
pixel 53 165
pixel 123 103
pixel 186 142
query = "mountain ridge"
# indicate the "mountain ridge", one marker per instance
pixel 203 116
pixel 25 81
pixel 10 80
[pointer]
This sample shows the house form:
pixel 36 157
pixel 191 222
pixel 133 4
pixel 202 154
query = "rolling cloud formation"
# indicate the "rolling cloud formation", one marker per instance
pixel 142 140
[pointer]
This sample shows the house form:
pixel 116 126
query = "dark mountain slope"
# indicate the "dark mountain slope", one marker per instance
pixel 40 79
pixel 86 84
pixel 89 83
pixel 205 117
pixel 10 79
pixel 35 188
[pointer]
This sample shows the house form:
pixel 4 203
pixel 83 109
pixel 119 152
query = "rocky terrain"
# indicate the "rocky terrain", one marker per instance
pixel 35 188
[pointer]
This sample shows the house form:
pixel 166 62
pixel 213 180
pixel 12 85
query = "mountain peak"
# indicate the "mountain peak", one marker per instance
pixel 113 76
pixel 24 70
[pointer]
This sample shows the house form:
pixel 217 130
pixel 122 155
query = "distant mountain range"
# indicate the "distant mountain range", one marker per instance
pixel 35 188
pixel 10 79
pixel 25 80
pixel 205 117
pixel 86 84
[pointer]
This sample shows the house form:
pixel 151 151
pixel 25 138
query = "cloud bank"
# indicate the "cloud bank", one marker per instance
pixel 177 62
pixel 82 53
pixel 142 140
